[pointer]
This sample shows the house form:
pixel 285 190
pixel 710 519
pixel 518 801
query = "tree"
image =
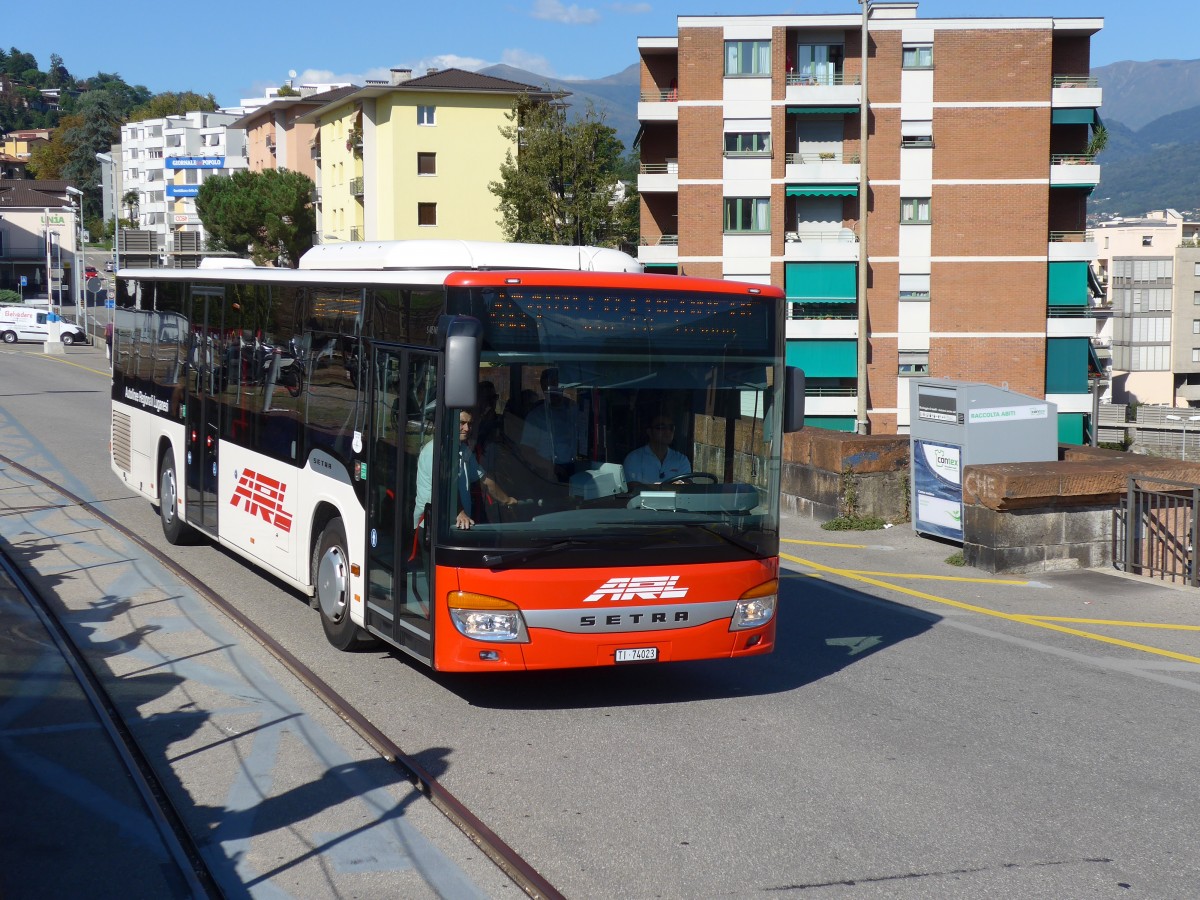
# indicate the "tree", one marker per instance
pixel 171 103
pixel 99 129
pixel 267 215
pixel 564 186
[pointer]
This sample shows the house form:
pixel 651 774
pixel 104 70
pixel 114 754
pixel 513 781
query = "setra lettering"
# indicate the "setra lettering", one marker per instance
pixel 618 619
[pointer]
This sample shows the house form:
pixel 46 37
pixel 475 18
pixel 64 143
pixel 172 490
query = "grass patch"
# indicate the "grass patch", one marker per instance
pixel 854 523
pixel 956 559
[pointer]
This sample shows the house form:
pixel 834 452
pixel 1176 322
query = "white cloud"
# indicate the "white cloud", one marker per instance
pixel 555 11
pixel 530 62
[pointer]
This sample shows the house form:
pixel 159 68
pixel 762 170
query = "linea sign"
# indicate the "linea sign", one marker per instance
pixel 195 162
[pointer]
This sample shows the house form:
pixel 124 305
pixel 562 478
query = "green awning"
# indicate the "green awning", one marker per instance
pixel 825 359
pixel 821 190
pixel 831 423
pixel 1067 284
pixel 1071 428
pixel 821 282
pixel 823 110
pixel 1095 366
pixel 1067 365
pixel 1073 117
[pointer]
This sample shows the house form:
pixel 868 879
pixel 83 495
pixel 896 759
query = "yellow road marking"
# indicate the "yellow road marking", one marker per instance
pixel 995 613
pixel 1118 623
pixel 824 544
pixel 918 575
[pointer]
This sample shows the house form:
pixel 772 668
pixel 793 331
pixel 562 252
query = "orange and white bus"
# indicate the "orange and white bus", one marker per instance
pixel 449 445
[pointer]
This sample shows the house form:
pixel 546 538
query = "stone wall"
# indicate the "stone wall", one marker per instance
pixel 827 474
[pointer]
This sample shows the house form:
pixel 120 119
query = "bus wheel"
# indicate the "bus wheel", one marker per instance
pixel 331 584
pixel 174 528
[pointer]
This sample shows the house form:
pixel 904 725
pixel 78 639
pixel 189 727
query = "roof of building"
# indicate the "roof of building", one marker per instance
pixel 313 101
pixel 20 193
pixel 450 80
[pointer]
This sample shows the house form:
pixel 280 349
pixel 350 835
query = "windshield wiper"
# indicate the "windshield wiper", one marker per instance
pixel 499 560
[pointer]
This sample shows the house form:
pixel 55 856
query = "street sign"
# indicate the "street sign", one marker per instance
pixel 110 304
pixel 94 284
pixel 24 281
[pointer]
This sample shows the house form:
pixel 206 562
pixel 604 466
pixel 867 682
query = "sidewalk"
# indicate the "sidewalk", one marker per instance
pixel 286 799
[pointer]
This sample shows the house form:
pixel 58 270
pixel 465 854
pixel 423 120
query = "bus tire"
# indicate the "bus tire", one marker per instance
pixel 174 528
pixel 331 587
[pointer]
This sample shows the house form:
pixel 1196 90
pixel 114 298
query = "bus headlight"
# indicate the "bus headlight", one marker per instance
pixel 485 618
pixel 756 606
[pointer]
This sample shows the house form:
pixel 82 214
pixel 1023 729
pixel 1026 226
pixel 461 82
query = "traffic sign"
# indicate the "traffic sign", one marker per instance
pixel 24 281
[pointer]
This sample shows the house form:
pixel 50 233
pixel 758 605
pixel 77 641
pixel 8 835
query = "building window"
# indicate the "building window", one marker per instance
pixel 918 56
pixel 426 115
pixel 747 57
pixel 1196 354
pixel 1196 298
pixel 747 143
pixel 426 213
pixel 914 211
pixel 916 133
pixel 913 362
pixel 1147 240
pixel 1195 326
pixel 748 215
pixel 818 64
pixel 426 163
pixel 914 287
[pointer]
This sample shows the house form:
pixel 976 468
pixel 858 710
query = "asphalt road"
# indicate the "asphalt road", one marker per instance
pixel 921 730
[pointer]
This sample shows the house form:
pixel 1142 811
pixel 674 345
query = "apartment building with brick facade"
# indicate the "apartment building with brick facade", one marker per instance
pixel 976 180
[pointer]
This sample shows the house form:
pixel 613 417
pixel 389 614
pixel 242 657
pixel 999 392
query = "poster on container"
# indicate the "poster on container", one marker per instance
pixel 937 485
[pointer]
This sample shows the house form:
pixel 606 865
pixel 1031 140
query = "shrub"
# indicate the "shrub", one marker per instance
pixel 854 523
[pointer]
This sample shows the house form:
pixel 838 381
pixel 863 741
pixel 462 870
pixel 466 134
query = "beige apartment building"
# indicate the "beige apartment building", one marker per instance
pixel 1150 268
pixel 971 260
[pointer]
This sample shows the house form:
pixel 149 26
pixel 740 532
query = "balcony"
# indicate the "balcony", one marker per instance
pixel 843 325
pixel 1070 321
pixel 661 250
pixel 658 106
pixel 1074 170
pixel 355 233
pixel 1075 92
pixel 659 178
pixel 823 89
pixel 356 187
pixel 1071 246
pixel 826 167
pixel 831 401
pixel 827 243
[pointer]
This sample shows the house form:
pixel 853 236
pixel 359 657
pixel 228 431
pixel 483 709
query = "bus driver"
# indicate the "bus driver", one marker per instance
pixel 469 472
pixel 656 462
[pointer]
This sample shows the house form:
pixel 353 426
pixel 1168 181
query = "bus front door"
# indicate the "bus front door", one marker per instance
pixel 403 395
pixel 203 409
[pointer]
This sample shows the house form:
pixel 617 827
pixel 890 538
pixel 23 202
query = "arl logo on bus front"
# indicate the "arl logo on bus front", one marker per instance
pixel 263 497
pixel 643 588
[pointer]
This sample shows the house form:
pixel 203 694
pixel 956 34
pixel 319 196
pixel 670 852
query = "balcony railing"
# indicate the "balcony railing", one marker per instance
pixel 823 79
pixel 1068 237
pixel 842 235
pixel 1072 159
pixel 356 187
pixel 659 168
pixel 662 240
pixel 1075 81
pixel 1069 312
pixel 808 159
pixel 830 391
pixel 811 309
pixel 355 234
pixel 669 96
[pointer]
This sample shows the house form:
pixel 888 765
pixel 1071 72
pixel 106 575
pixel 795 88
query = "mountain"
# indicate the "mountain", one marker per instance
pixel 1137 93
pixel 615 96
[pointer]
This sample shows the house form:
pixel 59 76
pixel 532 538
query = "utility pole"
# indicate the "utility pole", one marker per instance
pixel 864 204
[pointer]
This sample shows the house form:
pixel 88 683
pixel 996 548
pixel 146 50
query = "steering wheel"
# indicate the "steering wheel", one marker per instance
pixel 693 477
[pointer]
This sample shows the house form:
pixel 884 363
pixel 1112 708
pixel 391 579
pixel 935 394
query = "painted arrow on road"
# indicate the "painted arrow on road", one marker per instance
pixel 855 645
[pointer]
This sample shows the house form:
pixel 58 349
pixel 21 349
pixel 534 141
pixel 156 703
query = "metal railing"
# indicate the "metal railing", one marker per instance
pixel 816 310
pixel 824 79
pixel 659 169
pixel 1068 237
pixel 669 96
pixel 1075 81
pixel 830 391
pixel 356 186
pixel 1069 312
pixel 1154 530
pixel 1072 159
pixel 662 240
pixel 804 159
pixel 844 235
pixel 355 235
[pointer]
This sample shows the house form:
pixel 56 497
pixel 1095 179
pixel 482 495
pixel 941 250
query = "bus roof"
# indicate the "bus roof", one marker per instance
pixel 615 280
pixel 451 255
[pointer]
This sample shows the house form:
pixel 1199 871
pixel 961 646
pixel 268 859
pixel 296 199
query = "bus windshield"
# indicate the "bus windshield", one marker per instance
pixel 614 425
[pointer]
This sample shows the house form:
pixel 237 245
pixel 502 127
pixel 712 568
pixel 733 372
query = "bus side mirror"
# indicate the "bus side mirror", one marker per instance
pixel 462 339
pixel 793 396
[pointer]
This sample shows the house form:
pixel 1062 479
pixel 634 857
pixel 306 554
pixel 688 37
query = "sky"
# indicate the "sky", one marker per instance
pixel 236 51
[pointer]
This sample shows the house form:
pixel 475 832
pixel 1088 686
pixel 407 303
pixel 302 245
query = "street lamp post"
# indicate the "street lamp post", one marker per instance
pixel 1183 421
pixel 864 122
pixel 79 259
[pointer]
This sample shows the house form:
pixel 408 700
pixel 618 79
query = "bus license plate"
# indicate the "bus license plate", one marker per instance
pixel 638 654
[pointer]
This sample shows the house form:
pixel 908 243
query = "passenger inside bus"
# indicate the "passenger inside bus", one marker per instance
pixel 656 461
pixel 470 472
pixel 554 429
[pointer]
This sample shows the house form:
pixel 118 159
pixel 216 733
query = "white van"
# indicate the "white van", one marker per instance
pixel 30 323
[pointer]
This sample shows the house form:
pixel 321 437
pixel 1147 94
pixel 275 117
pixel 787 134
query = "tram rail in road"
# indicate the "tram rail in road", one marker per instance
pixel 514 866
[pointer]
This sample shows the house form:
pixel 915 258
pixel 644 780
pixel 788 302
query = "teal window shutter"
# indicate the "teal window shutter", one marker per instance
pixel 1067 365
pixel 1067 284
